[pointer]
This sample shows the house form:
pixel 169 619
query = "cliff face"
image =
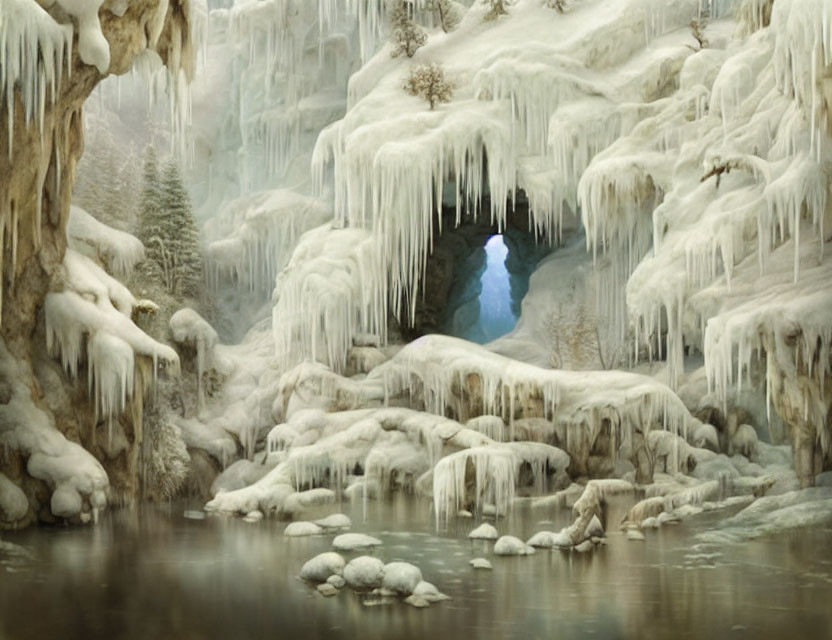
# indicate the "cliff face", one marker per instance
pixel 42 140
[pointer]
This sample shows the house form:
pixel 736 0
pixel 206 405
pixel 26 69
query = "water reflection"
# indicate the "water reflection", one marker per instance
pixel 152 573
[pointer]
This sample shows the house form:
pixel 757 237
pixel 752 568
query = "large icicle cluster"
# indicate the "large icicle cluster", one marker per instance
pixel 332 290
pixel 251 239
pixel 89 321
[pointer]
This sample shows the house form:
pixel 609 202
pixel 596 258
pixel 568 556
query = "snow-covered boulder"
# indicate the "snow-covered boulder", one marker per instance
pixel 336 581
pixel 401 577
pixel 353 541
pixel 480 563
pixel 299 529
pixel 511 546
pixel 334 521
pixel 484 532
pixel 429 592
pixel 364 572
pixel 543 539
pixel 322 566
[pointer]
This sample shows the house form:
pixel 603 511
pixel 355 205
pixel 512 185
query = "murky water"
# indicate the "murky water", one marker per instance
pixel 152 573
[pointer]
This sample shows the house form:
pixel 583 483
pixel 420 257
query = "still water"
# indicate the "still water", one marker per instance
pixel 152 573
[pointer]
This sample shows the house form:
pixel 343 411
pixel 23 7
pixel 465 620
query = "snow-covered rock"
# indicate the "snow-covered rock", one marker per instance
pixel 429 592
pixel 322 566
pixel 334 521
pixel 364 572
pixel 299 529
pixel 484 532
pixel 511 546
pixel 401 577
pixel 354 541
pixel 480 563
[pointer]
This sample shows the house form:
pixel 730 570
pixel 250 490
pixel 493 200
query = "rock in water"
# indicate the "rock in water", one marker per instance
pixel 364 572
pixel 480 563
pixel 298 529
pixel 352 541
pixel 336 581
pixel 401 577
pixel 484 532
pixel 511 546
pixel 319 568
pixel 327 590
pixel 335 521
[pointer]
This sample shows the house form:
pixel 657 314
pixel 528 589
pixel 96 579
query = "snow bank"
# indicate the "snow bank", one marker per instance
pixel 118 250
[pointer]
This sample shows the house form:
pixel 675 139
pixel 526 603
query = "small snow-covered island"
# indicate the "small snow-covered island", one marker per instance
pixel 415 318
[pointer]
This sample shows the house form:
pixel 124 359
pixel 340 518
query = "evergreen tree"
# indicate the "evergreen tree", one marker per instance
pixel 180 235
pixel 156 266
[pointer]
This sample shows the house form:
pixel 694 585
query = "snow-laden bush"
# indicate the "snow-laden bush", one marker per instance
pixel 165 456
pixel 428 81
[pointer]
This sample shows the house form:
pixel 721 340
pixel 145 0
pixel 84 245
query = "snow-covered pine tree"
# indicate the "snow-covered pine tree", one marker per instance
pixel 406 35
pixel 180 234
pixel 157 264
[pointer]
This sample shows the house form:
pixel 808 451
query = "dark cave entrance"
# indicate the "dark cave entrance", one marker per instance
pixel 477 275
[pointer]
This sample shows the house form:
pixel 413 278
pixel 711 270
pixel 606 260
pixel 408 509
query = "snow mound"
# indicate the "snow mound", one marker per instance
pixel 511 546
pixel 354 541
pixel 364 572
pixel 299 529
pixel 334 521
pixel 118 250
pixel 484 532
pixel 322 566
pixel 402 578
pixel 480 563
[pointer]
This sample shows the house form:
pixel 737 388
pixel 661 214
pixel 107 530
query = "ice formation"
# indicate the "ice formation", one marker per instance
pixel 90 322
pixel 117 250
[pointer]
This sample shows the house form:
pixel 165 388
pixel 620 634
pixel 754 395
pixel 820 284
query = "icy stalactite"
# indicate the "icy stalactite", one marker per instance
pixel 333 289
pixel 803 47
pixel 191 329
pixel 456 376
pixel 786 321
pixel 251 239
pixel 94 310
pixel 388 177
pixel 35 53
pixel 495 469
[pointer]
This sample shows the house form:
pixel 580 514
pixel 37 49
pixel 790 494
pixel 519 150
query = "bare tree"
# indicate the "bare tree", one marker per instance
pixel 697 30
pixel 406 35
pixel 428 81
pixel 448 15
pixel 496 8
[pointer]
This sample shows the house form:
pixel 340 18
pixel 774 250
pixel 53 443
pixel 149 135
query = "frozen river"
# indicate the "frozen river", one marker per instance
pixel 152 573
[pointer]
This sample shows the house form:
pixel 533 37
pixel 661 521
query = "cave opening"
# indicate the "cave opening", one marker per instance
pixel 476 277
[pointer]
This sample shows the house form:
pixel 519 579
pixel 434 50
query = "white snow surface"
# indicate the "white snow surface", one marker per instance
pixel 118 250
